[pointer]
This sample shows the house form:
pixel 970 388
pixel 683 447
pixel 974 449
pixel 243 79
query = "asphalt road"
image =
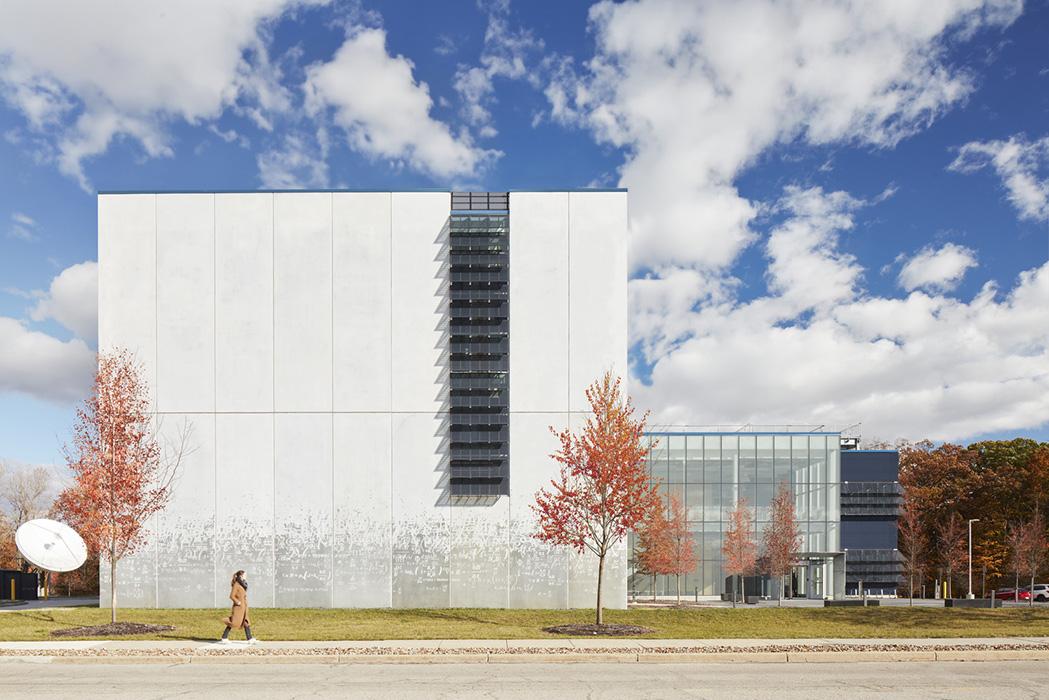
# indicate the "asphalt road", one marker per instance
pixel 1000 680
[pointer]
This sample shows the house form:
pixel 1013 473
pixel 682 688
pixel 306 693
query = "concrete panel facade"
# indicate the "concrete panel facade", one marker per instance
pixel 304 338
pixel 244 302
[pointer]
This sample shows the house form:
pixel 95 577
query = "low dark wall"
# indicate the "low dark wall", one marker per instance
pixel 850 603
pixel 973 603
pixel 25 585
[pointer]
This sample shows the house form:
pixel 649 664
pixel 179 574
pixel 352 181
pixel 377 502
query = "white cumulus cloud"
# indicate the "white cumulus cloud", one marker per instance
pixel 927 365
pixel 83 74
pixel 299 162
pixel 39 365
pixel 937 269
pixel 384 112
pixel 694 94
pixel 507 54
pixel 72 300
pixel 695 91
pixel 1022 165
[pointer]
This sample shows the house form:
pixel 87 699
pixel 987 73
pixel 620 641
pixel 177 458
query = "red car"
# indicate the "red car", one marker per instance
pixel 1009 594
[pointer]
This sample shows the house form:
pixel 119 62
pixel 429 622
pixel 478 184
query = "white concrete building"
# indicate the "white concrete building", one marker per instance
pixel 325 349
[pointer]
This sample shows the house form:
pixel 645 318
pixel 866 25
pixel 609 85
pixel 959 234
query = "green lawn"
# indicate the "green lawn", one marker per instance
pixel 701 623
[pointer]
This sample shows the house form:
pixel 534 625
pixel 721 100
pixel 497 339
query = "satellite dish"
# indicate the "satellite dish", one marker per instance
pixel 50 545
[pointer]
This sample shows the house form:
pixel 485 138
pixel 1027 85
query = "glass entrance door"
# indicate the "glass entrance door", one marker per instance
pixel 814 576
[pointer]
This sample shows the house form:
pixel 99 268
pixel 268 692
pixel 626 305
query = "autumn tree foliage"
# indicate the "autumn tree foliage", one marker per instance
pixel 1034 549
pixel 1016 541
pixel 781 539
pixel 652 553
pixel 23 497
pixel 122 474
pixel 738 549
pixel 951 546
pixel 681 546
pixel 1001 482
pixel 913 542
pixel 603 491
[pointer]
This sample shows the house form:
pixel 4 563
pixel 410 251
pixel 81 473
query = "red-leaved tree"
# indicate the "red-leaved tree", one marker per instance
pixel 1034 549
pixel 121 473
pixel 652 554
pixel 603 491
pixel 782 537
pixel 950 544
pixel 738 549
pixel 913 540
pixel 681 545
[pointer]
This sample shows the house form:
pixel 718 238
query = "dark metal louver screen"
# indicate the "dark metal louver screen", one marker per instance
pixel 480 201
pixel 479 427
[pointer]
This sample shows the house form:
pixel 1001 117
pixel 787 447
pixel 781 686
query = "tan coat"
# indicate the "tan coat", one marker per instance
pixel 238 617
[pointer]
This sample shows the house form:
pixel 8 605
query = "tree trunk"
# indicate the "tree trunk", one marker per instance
pixel 677 578
pixel 600 577
pixel 779 593
pixel 1030 601
pixel 1016 588
pixel 112 588
pixel 653 588
pixel 911 580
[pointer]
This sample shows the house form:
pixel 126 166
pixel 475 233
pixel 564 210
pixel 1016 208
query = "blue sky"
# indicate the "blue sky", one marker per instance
pixel 839 213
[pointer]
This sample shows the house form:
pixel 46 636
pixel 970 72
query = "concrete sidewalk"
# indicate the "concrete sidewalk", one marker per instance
pixel 533 651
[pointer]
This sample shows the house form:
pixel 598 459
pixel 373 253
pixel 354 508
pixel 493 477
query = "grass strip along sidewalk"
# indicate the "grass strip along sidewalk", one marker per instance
pixel 496 624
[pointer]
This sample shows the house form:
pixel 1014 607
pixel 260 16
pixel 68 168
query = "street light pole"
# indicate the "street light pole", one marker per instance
pixel 971 521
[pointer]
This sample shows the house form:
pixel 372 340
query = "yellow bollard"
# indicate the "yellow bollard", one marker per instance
pixel 12 589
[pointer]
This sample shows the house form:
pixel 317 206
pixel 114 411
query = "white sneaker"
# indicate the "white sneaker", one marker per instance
pixel 253 640
pixel 225 642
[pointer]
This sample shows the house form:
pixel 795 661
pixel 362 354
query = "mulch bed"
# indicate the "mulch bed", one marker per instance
pixel 593 630
pixel 112 629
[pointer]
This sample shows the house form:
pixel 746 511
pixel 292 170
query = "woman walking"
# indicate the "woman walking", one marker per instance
pixel 238 617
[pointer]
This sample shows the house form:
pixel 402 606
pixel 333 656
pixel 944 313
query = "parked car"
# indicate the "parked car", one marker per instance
pixel 1010 594
pixel 1041 592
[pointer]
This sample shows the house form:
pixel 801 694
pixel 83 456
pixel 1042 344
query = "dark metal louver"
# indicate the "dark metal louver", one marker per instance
pixel 479 257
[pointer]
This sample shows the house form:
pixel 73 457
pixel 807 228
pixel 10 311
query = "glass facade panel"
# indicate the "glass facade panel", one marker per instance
pixel 694 502
pixel 801 502
pixel 799 459
pixel 694 459
pixel 676 491
pixel 782 459
pixel 712 459
pixel 748 467
pixel 711 502
pixel 657 461
pixel 709 472
pixel 762 500
pixel 834 502
pixel 817 459
pixel 676 465
pixel 765 471
pixel 818 502
pixel 833 538
pixel 729 496
pixel 711 543
pixel 729 459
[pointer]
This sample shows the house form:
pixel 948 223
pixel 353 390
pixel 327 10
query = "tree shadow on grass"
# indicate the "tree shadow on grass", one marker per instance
pixel 449 615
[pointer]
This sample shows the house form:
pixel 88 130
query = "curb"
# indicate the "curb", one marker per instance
pixel 543 658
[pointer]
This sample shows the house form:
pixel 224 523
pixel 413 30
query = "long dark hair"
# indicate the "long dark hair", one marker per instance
pixel 239 578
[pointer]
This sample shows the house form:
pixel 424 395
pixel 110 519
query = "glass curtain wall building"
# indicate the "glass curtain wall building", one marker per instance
pixel 709 472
